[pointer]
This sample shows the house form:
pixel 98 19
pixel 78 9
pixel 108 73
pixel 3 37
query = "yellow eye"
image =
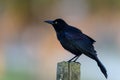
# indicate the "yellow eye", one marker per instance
pixel 56 22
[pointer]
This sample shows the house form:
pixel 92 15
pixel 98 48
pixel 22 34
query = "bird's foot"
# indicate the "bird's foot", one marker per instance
pixel 69 61
pixel 74 61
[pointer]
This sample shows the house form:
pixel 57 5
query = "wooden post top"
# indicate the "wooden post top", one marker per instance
pixel 68 70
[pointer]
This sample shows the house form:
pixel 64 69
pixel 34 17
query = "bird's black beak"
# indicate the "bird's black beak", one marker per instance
pixel 49 21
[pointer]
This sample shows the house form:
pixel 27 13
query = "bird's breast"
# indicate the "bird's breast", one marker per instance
pixel 66 44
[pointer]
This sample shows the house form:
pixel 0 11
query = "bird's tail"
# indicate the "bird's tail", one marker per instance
pixel 102 68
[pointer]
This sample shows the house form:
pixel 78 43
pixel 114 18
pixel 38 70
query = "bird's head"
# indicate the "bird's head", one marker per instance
pixel 58 24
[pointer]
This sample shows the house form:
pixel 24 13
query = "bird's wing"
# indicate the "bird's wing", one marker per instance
pixel 81 42
pixel 77 34
pixel 91 40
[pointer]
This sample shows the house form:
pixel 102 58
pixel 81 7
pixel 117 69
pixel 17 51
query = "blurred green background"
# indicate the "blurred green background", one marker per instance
pixel 29 49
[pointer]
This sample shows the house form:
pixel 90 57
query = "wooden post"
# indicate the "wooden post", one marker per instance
pixel 68 71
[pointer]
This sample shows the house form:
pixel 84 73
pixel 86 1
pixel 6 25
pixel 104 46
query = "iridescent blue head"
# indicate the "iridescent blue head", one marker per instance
pixel 58 24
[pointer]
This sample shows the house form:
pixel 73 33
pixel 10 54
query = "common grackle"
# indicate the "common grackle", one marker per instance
pixel 75 41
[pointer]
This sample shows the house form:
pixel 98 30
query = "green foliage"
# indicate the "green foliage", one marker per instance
pixel 13 75
pixel 109 4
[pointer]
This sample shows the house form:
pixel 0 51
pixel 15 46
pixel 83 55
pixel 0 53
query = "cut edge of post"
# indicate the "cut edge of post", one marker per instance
pixel 68 70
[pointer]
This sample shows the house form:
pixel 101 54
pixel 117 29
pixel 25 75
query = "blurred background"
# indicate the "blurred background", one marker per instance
pixel 29 49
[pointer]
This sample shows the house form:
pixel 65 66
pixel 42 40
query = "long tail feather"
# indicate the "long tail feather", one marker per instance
pixel 102 68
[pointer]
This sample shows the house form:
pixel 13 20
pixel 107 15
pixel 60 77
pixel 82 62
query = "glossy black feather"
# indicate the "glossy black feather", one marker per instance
pixel 75 41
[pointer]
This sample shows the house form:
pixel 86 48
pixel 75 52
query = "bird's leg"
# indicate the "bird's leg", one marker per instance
pixel 76 58
pixel 72 58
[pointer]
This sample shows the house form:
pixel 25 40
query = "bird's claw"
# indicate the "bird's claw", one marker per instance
pixel 69 61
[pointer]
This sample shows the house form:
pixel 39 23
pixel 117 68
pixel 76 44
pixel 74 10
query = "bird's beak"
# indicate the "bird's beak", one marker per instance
pixel 49 21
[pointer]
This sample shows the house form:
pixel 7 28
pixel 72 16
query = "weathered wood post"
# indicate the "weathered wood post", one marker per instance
pixel 68 71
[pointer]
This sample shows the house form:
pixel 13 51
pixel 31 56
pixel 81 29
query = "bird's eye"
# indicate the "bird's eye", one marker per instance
pixel 56 22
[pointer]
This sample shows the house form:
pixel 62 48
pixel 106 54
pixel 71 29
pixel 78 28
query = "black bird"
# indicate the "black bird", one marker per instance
pixel 73 40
